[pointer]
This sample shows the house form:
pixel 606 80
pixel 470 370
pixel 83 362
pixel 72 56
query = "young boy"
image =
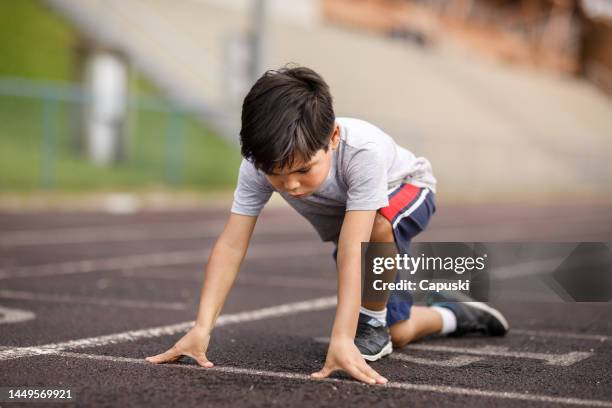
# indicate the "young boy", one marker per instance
pixel 353 184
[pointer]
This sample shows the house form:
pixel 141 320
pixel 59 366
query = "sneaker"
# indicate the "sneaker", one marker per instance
pixel 372 338
pixel 472 316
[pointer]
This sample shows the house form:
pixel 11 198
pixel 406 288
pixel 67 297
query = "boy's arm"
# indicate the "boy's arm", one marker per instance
pixel 223 266
pixel 342 353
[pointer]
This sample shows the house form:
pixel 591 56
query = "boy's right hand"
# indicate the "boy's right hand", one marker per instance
pixel 342 354
pixel 193 344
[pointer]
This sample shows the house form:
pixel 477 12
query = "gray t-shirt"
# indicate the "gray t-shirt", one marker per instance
pixel 366 166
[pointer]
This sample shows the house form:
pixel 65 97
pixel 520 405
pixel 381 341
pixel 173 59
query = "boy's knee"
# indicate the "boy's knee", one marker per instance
pixel 381 230
pixel 402 333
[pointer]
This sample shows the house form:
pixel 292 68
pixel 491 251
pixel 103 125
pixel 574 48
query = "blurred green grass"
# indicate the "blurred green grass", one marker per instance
pixel 35 43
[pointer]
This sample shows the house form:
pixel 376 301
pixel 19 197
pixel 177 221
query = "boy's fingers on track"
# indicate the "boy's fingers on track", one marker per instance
pixel 358 373
pixel 171 355
pixel 370 372
pixel 324 372
pixel 203 361
pixel 353 370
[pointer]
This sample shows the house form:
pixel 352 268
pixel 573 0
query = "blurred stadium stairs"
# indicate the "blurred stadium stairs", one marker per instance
pixel 491 131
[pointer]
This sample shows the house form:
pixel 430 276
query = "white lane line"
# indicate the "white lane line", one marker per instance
pixel 563 360
pixel 15 315
pixel 440 389
pixel 144 232
pixel 257 251
pixel 513 230
pixel 249 316
pixel 528 268
pixel 136 232
pixel 249 280
pixel 287 282
pixel 59 298
pixel 564 335
pixel 206 229
pixel 453 362
pixel 530 217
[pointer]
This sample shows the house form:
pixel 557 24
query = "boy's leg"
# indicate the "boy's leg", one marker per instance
pixel 372 338
pixel 420 321
pixel 381 233
pixel 449 313
pixel 423 321
pixel 407 215
pixel 381 310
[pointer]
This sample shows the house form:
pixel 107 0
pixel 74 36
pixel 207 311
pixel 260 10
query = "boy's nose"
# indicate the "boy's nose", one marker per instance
pixel 292 185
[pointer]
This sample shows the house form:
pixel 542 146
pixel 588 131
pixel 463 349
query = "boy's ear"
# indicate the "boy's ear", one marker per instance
pixel 334 141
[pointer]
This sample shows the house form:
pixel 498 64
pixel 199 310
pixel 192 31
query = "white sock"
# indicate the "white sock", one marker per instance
pixel 380 315
pixel 449 320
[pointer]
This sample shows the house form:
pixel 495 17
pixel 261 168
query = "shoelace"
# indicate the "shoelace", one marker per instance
pixel 365 329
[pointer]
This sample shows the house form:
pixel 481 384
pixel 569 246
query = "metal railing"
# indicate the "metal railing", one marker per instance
pixel 52 95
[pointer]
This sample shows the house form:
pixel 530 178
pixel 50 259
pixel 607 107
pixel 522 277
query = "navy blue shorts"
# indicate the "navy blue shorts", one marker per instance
pixel 409 210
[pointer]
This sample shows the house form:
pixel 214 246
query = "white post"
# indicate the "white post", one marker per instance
pixel 107 82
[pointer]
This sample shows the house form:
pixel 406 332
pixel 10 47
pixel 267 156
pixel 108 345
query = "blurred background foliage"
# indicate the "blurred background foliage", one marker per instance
pixel 37 44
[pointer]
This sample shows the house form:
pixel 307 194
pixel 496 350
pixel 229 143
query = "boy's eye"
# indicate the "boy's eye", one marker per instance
pixel 304 171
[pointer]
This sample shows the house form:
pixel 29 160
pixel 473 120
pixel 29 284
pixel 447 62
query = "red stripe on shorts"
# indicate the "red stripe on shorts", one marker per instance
pixel 400 201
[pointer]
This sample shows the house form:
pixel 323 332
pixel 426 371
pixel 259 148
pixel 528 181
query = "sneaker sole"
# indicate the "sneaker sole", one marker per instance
pixel 388 349
pixel 486 308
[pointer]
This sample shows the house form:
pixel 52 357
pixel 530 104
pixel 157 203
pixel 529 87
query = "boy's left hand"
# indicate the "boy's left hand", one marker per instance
pixel 344 355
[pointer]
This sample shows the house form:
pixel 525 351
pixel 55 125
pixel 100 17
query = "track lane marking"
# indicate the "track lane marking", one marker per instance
pixel 454 362
pixel 563 360
pixel 63 298
pixel 207 229
pixel 526 268
pixel 565 335
pixel 133 335
pixel 441 389
pixel 15 315
pixel 137 232
pixel 267 280
pixel 256 251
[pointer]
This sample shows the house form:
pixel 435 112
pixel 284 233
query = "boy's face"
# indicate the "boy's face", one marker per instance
pixel 304 178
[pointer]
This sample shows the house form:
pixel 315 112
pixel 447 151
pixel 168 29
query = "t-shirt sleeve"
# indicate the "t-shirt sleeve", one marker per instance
pixel 252 191
pixel 367 181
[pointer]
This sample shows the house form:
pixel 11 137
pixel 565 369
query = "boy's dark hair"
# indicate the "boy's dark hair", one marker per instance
pixel 287 115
